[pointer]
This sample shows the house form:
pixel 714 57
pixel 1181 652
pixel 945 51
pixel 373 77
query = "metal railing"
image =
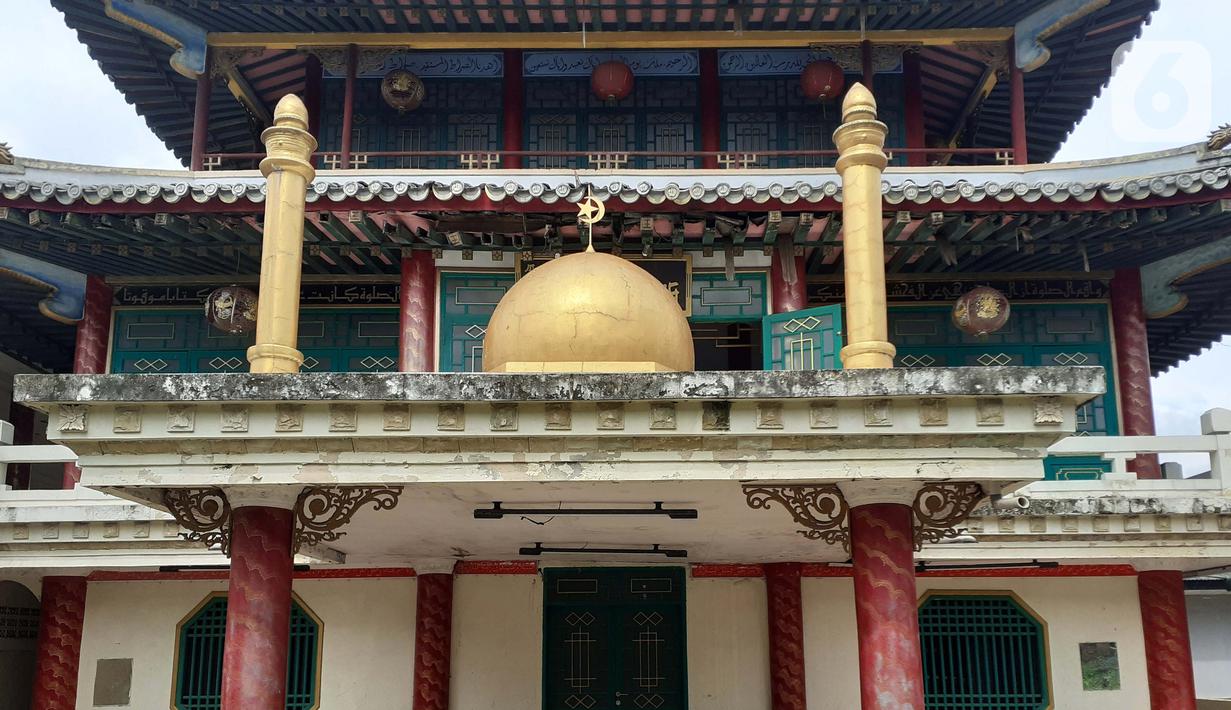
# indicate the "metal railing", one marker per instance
pixel 600 160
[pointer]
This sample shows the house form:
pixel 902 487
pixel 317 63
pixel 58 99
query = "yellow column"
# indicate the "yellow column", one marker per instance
pixel 288 169
pixel 861 160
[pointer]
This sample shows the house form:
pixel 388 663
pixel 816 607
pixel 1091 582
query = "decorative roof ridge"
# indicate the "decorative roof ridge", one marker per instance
pixel 1190 169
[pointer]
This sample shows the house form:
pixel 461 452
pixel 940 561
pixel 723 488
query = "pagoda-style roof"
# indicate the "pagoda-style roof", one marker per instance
pixel 1075 40
pixel 1088 217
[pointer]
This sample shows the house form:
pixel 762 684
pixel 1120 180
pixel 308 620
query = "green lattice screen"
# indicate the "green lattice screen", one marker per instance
pixel 198 678
pixel 982 653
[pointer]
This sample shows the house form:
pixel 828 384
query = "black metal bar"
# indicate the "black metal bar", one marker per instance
pixel 1035 564
pixel 539 549
pixel 498 511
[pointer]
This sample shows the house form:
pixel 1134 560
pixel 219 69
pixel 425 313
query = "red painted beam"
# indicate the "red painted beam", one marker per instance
pixel 200 118
pixel 1017 109
pixel 912 77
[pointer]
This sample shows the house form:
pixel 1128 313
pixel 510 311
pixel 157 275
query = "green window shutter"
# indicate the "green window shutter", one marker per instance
pixel 198 675
pixel 809 339
pixel 982 653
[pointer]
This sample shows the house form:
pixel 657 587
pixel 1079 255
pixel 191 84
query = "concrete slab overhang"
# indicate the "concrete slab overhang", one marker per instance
pixel 137 434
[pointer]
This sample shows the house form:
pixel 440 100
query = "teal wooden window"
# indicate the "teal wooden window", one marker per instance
pixel 171 340
pixel 982 653
pixel 467 301
pixel 1037 334
pixel 198 673
pixel 738 300
pixel 810 339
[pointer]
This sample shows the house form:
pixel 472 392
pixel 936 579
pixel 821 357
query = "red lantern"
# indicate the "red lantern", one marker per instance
pixel 980 311
pixel 612 80
pixel 822 80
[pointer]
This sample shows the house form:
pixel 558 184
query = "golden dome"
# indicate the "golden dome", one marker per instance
pixel 588 312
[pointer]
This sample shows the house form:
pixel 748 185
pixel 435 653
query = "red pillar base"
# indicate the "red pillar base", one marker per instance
pixel 784 598
pixel 890 661
pixel 1169 658
pixel 59 643
pixel 258 610
pixel 433 640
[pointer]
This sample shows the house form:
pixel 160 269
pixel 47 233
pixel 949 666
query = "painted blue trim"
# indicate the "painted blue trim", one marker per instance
pixel 65 300
pixel 171 29
pixel 1030 31
pixel 1159 279
pixel 453 65
pixel 581 63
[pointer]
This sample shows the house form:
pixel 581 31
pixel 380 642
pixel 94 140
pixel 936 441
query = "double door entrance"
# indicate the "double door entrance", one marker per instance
pixel 614 639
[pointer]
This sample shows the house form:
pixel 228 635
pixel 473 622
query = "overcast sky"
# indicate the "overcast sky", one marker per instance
pixel 55 103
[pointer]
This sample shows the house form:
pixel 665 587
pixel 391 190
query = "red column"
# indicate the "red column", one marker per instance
pixel 200 119
pixel 90 350
pixel 61 615
pixel 869 71
pixel 418 315
pixel 1169 657
pixel 1128 321
pixel 433 640
pixel 258 610
pixel 916 137
pixel 514 103
pixel 789 295
pixel 1017 108
pixel 890 662
pixel 710 104
pixel 312 94
pixel 348 105
pixel 786 636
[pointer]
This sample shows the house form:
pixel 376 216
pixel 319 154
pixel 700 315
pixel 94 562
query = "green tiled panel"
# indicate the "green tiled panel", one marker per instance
pixel 180 340
pixel 1036 335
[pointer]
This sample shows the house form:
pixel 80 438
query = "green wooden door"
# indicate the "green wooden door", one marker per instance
pixel 803 340
pixel 613 639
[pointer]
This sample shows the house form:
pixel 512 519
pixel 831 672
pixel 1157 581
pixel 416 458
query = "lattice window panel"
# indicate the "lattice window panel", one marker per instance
pixel 198 676
pixel 981 653
pixel 714 298
pixel 466 304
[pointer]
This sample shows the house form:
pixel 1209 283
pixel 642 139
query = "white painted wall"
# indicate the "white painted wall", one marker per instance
pixel 728 644
pixel 1076 610
pixel 1209 625
pixel 368 637
pixel 497 642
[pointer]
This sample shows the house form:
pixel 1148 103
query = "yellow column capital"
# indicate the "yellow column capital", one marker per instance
pixel 861 160
pixel 287 168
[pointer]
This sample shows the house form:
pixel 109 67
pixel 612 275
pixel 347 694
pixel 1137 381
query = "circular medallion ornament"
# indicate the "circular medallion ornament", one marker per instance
pixel 980 311
pixel 231 309
pixel 402 90
pixel 822 80
pixel 612 80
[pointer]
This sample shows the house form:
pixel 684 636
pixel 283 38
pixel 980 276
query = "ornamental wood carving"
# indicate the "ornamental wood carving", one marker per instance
pixel 821 510
pixel 939 507
pixel 320 512
pixel 204 512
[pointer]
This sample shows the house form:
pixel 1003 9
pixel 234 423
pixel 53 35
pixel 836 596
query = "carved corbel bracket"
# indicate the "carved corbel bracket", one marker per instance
pixel 319 512
pixel 940 507
pixel 821 510
pixel 204 512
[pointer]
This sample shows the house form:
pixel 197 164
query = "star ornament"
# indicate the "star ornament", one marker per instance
pixel 590 211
